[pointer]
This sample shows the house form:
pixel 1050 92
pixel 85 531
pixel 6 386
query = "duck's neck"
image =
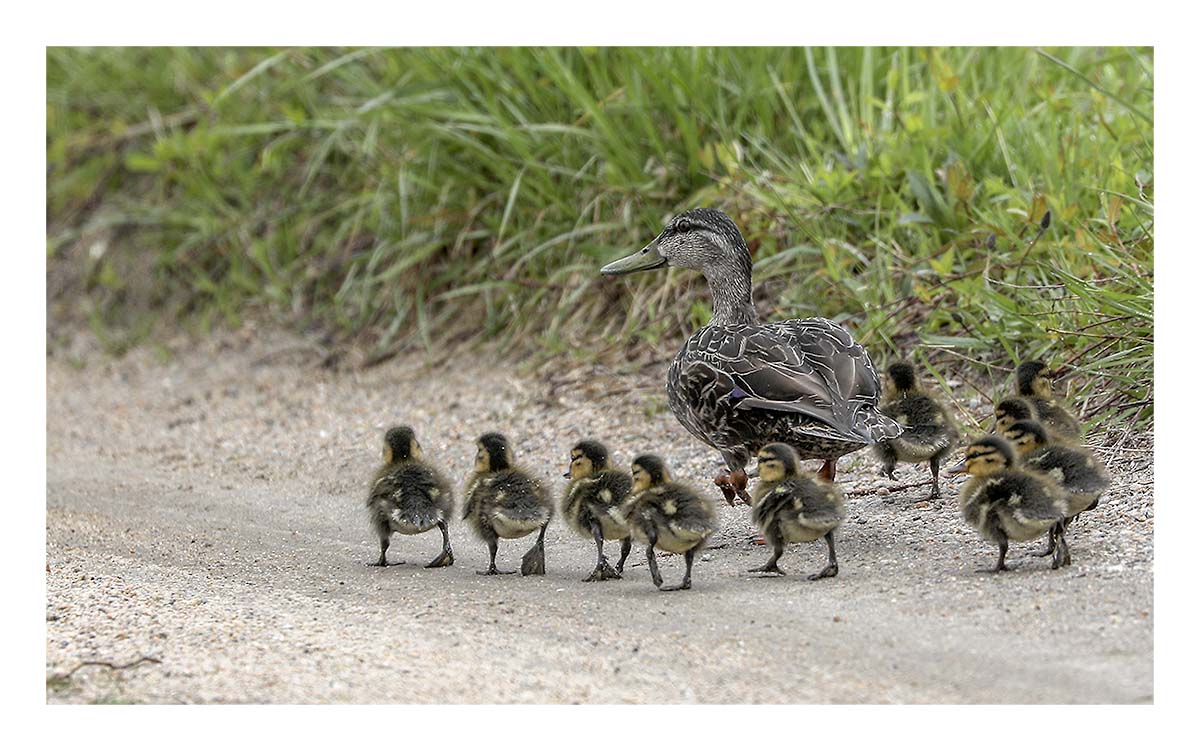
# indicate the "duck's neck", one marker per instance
pixel 730 287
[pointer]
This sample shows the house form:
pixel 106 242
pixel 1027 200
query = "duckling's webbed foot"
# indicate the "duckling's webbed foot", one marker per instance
pixel 446 557
pixel 383 561
pixel 533 563
pixel 831 568
pixel 687 574
pixel 772 565
pixel 733 485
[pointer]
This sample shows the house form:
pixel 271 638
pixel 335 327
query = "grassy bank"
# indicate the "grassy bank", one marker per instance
pixel 395 198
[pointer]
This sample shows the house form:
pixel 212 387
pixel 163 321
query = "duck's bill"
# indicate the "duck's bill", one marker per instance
pixel 957 469
pixel 643 260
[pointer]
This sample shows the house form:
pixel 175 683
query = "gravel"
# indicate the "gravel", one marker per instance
pixel 207 511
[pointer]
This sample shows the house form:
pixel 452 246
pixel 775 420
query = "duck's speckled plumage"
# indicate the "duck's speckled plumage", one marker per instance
pixel 738 384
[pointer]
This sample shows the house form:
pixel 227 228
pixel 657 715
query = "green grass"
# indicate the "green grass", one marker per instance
pixel 414 197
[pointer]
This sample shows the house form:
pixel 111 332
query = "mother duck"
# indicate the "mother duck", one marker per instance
pixel 738 384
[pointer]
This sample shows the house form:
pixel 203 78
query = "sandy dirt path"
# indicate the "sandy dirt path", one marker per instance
pixel 208 512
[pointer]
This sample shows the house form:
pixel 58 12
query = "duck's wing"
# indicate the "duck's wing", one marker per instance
pixel 809 366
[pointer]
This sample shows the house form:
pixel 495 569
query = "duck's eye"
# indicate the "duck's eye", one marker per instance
pixel 683 226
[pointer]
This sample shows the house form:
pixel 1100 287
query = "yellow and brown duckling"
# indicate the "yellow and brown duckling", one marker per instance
pixel 667 515
pixel 1033 383
pixel 1010 410
pixel 503 501
pixel 792 506
pixel 592 503
pixel 1004 502
pixel 929 430
pixel 1076 470
pixel 408 496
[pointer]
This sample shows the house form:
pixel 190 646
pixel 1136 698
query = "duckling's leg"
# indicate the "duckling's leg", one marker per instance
pixel 1062 555
pixel 934 463
pixel 1051 546
pixel 626 546
pixel 888 456
pixel 772 565
pixel 446 557
pixel 652 562
pixel 1000 563
pixel 384 542
pixel 831 568
pixel 534 561
pixel 687 574
pixel 602 571
pixel 493 544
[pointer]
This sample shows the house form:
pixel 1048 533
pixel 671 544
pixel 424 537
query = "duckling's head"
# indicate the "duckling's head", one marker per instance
pixel 1011 410
pixel 1033 379
pixel 494 453
pixel 900 378
pixel 700 239
pixel 777 461
pixel 400 445
pixel 648 471
pixel 1026 435
pixel 986 456
pixel 587 458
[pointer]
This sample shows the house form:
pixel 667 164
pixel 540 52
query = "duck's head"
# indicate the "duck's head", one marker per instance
pixel 777 462
pixel 1011 410
pixel 1026 435
pixel 701 239
pixel 1033 379
pixel 648 471
pixel 587 458
pixel 986 456
pixel 400 445
pixel 900 378
pixel 494 453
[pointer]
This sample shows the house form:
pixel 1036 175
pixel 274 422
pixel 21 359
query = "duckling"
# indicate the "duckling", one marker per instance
pixel 1010 410
pixel 592 502
pixel 409 496
pixel 505 501
pixel 1033 383
pixel 1006 503
pixel 929 430
pixel 1075 470
pixel 792 506
pixel 668 515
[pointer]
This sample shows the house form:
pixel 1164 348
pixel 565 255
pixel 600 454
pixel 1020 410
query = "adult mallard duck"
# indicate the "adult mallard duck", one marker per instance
pixel 738 384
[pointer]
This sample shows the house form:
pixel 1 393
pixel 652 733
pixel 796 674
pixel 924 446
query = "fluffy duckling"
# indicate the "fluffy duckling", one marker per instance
pixel 1076 470
pixel 592 504
pixel 665 514
pixel 409 496
pixel 929 430
pixel 1006 503
pixel 1033 383
pixel 505 501
pixel 1011 410
pixel 791 506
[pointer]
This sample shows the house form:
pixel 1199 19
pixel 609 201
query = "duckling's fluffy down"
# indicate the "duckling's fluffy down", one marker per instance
pixel 804 508
pixel 1077 471
pixel 1013 505
pixel 409 499
pixel 510 503
pixel 928 429
pixel 598 498
pixel 679 518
